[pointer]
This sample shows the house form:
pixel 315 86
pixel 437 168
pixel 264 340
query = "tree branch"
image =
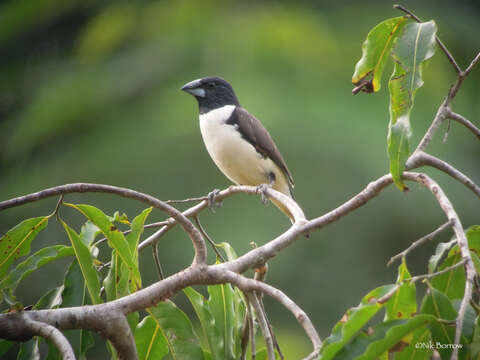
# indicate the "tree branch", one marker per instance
pixel 421 159
pixel 51 333
pixel 460 119
pixel 249 285
pixel 193 233
pixel 290 204
pixel 420 241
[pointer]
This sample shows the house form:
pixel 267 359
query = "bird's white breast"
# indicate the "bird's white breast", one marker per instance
pixel 235 156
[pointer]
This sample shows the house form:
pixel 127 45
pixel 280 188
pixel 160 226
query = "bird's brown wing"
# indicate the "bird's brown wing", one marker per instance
pixel 253 131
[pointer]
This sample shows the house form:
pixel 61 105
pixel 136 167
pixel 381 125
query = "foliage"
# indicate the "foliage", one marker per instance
pixel 409 44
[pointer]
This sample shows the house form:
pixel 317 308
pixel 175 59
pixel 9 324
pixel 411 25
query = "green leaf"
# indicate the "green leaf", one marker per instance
pixel 403 304
pixel 116 239
pixel 213 333
pixel 16 242
pixel 440 251
pixel 353 321
pixel 116 281
pixel 223 311
pixel 151 344
pixel 418 346
pixel 475 344
pixel 415 45
pixel 29 350
pixel 376 51
pixel 85 261
pixel 438 304
pixel 262 355
pixel 74 294
pixel 32 263
pixel 229 251
pixel 51 299
pixel 5 345
pixel 382 337
pixel 89 232
pixel 137 231
pixel 178 331
pixel 451 283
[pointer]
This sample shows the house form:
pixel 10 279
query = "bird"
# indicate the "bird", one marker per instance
pixel 237 142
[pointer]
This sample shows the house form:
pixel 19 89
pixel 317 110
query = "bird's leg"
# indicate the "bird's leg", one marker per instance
pixel 212 201
pixel 262 189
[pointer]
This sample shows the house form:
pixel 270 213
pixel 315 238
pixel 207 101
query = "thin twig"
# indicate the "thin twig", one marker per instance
pixel 420 241
pixel 462 243
pixel 57 207
pixel 182 201
pixel 414 279
pixel 470 67
pixel 209 239
pixel 460 119
pixel 158 264
pixel 421 158
pixel 450 57
pixel 441 272
pixel 262 321
pixel 126 232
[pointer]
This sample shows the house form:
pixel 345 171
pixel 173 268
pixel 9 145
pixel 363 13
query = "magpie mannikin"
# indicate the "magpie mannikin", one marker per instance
pixel 237 142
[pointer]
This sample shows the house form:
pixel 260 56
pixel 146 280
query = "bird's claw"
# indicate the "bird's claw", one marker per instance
pixel 262 189
pixel 212 200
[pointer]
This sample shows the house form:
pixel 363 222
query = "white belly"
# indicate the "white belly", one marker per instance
pixel 234 156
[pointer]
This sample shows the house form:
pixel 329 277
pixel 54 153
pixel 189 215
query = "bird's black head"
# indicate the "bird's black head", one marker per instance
pixel 211 93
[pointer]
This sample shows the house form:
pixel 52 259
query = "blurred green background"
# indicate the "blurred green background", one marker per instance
pixel 90 93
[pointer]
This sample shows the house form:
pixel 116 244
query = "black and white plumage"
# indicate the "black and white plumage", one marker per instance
pixel 237 142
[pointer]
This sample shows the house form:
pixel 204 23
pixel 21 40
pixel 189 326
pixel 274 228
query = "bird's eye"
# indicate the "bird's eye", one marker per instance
pixel 210 85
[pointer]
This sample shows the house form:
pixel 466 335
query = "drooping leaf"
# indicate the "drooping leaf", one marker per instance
pixel 354 319
pixel 85 261
pixel 212 332
pixel 116 281
pixel 16 242
pixel 151 344
pixel 137 230
pixel 178 331
pixel 31 264
pixel 116 239
pixel 413 47
pixel 403 304
pixel 376 52
pixel 438 304
pixel 223 311
pixel 382 337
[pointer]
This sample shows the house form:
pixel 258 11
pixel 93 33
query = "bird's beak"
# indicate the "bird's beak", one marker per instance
pixel 193 87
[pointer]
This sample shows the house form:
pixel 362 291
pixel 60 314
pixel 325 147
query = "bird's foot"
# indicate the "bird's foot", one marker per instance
pixel 262 189
pixel 212 200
